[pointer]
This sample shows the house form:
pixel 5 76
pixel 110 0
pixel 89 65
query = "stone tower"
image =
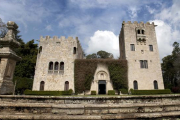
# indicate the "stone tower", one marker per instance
pixel 55 63
pixel 8 59
pixel 138 45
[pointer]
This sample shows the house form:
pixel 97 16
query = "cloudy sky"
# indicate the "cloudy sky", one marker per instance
pixel 97 23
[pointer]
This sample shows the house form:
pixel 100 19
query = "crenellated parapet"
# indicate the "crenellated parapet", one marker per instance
pixel 56 38
pixel 137 24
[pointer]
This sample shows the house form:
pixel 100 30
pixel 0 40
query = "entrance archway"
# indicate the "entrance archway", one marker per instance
pixel 102 87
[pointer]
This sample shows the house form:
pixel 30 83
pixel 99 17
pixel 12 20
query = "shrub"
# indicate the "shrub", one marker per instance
pixel 150 92
pixel 48 93
pixel 93 92
pixel 175 89
pixel 124 91
pixel 111 92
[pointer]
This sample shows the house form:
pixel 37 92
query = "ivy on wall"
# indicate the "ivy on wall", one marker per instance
pixel 85 70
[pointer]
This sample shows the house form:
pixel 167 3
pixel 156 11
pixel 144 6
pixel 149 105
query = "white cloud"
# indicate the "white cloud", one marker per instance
pixel 49 28
pixel 103 40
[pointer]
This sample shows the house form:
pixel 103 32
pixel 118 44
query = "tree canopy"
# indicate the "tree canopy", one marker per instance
pixel 100 54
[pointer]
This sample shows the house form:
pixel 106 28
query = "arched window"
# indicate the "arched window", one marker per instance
pixel 51 66
pixel 56 66
pixel 62 66
pixel 74 50
pixel 42 83
pixel 155 84
pixel 66 87
pixel 142 31
pixel 138 31
pixel 135 85
pixel 40 49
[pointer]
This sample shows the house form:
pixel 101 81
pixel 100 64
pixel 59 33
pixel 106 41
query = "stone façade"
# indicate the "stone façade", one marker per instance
pixel 56 50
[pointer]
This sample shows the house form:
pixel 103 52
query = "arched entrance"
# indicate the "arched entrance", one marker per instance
pixel 102 87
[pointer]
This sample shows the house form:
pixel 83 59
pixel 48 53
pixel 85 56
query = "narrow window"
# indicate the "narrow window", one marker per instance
pixel 143 32
pixel 155 84
pixel 62 66
pixel 0 60
pixel 74 50
pixel 138 31
pixel 145 64
pixel 42 85
pixel 66 87
pixel 132 47
pixel 56 66
pixel 51 66
pixel 40 49
pixel 141 64
pixel 135 85
pixel 150 48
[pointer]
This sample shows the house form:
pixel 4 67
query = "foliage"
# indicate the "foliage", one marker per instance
pixel 111 92
pixel 48 93
pixel 171 68
pixel 93 92
pixel 150 92
pixel 85 70
pixel 124 91
pixel 3 29
pixel 100 54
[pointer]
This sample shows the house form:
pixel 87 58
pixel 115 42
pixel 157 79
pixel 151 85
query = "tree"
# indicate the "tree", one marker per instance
pixel 100 54
pixel 3 29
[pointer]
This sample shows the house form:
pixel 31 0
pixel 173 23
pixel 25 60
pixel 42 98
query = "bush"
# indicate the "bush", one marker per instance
pixel 111 92
pixel 175 89
pixel 48 93
pixel 93 92
pixel 124 91
pixel 150 92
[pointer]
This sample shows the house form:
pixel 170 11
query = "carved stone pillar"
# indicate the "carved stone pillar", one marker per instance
pixel 8 59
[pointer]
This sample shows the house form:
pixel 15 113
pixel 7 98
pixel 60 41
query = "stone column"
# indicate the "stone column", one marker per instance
pixel 8 59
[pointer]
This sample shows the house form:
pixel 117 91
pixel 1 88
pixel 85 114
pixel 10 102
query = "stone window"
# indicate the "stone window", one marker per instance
pixel 66 87
pixel 143 32
pixel 62 66
pixel 132 47
pixel 155 84
pixel 51 66
pixel 143 64
pixel 135 83
pixel 138 32
pixel 74 50
pixel 56 67
pixel 150 47
pixel 40 49
pixel 42 83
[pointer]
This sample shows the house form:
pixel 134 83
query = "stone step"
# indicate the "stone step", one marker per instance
pixel 91 117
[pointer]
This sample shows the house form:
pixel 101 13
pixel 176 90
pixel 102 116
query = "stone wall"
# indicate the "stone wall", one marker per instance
pixel 102 107
pixel 144 77
pixel 56 50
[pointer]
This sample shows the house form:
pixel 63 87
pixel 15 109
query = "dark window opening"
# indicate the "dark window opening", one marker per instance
pixel 40 49
pixel 42 83
pixel 62 66
pixel 150 48
pixel 138 31
pixel 51 66
pixel 155 85
pixel 74 50
pixel 132 47
pixel 135 85
pixel 143 64
pixel 56 66
pixel 0 60
pixel 142 31
pixel 66 88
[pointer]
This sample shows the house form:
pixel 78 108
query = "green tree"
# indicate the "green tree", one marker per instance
pixel 3 29
pixel 100 54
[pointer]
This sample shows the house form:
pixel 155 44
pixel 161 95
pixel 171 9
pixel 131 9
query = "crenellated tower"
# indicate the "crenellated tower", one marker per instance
pixel 138 45
pixel 55 63
pixel 8 59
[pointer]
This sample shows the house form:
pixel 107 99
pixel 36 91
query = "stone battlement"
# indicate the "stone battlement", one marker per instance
pixel 140 23
pixel 55 38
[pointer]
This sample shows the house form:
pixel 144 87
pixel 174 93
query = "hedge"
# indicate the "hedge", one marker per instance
pixel 111 92
pixel 93 92
pixel 150 92
pixel 48 93
pixel 85 69
pixel 123 91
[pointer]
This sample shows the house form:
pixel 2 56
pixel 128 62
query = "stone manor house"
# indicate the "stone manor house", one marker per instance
pixel 138 45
